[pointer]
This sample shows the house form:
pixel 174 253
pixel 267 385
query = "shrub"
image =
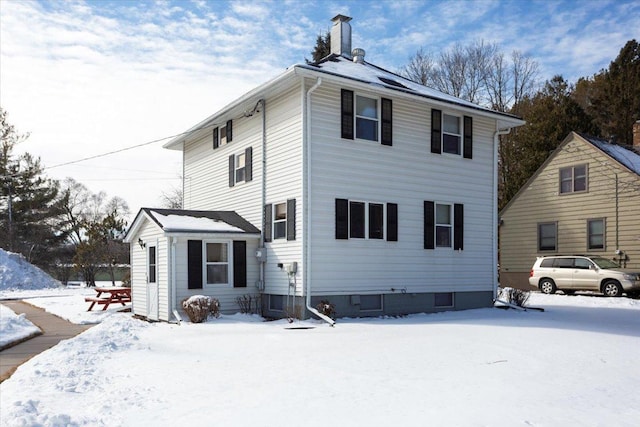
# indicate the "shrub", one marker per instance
pixel 248 304
pixel 515 296
pixel 200 307
pixel 326 308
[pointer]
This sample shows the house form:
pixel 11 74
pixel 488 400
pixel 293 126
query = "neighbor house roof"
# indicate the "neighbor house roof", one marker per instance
pixel 190 221
pixel 337 67
pixel 624 155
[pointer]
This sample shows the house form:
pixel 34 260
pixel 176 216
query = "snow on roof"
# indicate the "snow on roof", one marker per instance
pixel 624 155
pixel 190 223
pixel 369 73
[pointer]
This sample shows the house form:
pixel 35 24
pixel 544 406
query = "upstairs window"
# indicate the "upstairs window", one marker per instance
pixel 280 221
pixel 573 179
pixel 367 118
pixel 451 134
pixel 222 135
pixel 443 226
pixel 241 167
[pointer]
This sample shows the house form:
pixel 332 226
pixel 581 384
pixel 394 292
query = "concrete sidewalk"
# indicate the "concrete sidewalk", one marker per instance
pixel 54 329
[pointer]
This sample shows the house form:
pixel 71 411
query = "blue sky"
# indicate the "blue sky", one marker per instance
pixel 89 77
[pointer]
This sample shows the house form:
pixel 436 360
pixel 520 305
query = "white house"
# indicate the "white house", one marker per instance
pixel 346 183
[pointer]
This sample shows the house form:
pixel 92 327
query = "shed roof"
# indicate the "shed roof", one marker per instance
pixel 193 221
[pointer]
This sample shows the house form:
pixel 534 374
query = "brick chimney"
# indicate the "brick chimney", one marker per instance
pixel 341 36
pixel 636 135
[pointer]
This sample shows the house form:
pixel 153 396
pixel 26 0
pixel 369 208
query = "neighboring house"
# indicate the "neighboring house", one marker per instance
pixel 369 191
pixel 584 199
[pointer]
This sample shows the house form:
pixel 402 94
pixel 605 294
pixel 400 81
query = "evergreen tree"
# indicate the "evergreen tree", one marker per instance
pixel 612 96
pixel 322 47
pixel 551 114
pixel 31 208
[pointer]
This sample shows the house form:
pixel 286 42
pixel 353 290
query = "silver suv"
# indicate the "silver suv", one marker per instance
pixel 583 273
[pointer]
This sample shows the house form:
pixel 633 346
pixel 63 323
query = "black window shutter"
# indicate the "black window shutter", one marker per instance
pixel 467 150
pixel 194 264
pixel 248 164
pixel 291 219
pixel 458 226
pixel 267 222
pixel 347 114
pixel 229 130
pixel 429 225
pixel 436 131
pixel 216 139
pixel 392 222
pixel 239 264
pixel 232 170
pixel 387 122
pixel 342 219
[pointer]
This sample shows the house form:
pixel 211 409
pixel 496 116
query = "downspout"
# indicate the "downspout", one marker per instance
pixel 494 237
pixel 172 274
pixel 261 284
pixel 307 203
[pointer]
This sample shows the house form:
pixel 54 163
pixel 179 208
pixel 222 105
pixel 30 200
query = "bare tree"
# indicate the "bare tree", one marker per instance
pixel 172 198
pixel 420 68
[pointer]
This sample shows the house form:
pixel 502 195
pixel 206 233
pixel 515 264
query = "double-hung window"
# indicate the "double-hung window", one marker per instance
pixel 451 134
pixel 367 120
pixel 595 234
pixel 573 179
pixel 547 236
pixel 240 163
pixel 217 263
pixel 443 225
pixel 280 221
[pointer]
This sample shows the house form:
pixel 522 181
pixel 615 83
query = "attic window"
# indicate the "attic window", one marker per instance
pixel 392 82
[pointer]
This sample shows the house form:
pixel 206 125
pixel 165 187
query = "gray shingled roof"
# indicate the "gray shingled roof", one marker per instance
pixel 624 155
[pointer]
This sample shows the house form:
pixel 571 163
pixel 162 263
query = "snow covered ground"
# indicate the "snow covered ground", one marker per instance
pixel 576 364
pixel 14 328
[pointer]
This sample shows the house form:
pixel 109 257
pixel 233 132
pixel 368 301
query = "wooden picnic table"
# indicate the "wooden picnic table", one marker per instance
pixel 109 295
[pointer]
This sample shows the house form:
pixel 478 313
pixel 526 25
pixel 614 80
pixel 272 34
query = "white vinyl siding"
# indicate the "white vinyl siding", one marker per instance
pixel 403 174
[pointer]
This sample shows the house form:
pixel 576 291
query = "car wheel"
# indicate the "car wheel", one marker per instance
pixel 548 286
pixel 612 289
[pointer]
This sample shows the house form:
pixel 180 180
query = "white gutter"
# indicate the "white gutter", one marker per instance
pixel 494 216
pixel 307 203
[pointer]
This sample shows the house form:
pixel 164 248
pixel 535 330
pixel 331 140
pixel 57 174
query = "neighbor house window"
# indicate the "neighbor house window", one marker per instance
pixel 573 179
pixel 366 118
pixel 280 221
pixel 547 236
pixel 366 220
pixel 443 299
pixel 443 225
pixel 241 167
pixel 217 263
pixel 595 233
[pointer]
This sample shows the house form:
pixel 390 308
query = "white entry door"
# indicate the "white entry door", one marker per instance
pixel 152 282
